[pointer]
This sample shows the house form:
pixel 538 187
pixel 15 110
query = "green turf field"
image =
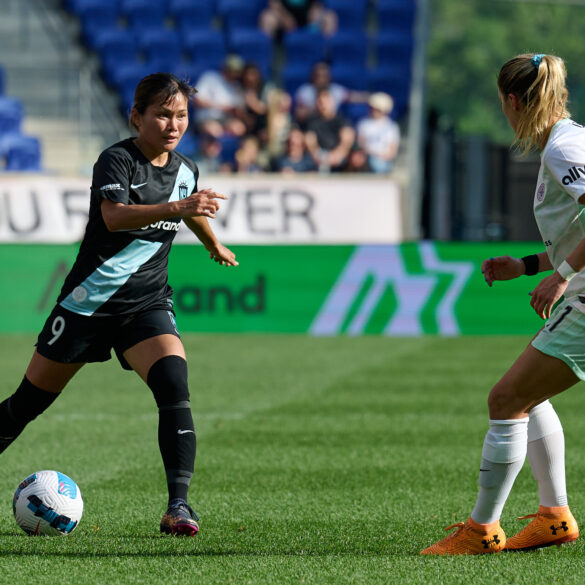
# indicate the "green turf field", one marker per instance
pixel 322 461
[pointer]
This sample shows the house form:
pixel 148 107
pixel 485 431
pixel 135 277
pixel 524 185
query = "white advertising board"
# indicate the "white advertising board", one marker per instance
pixel 267 209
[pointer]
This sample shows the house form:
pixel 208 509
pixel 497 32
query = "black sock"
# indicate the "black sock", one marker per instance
pixel 177 443
pixel 19 409
pixel 167 379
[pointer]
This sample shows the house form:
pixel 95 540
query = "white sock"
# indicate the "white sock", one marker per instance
pixel 546 453
pixel 502 458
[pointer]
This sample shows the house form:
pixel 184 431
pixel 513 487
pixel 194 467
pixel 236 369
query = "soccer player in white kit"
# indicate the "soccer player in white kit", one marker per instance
pixel 523 422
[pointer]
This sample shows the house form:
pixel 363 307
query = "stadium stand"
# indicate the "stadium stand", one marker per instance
pixel 18 152
pixel 370 52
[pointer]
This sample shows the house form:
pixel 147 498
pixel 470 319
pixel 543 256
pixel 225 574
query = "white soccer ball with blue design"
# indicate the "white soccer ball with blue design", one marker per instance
pixel 47 503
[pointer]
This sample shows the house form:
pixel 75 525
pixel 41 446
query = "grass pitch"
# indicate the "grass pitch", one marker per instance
pixel 322 461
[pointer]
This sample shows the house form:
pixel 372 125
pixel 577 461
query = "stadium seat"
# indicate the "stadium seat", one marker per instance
pixel 349 75
pixel 229 147
pixel 304 46
pixel 11 115
pixel 351 14
pixel 141 14
pixel 23 153
pixel 205 48
pixel 253 46
pixel 96 17
pixel 393 48
pixel 194 15
pixel 78 6
pixel 348 47
pixel 188 72
pixel 354 112
pixel 293 75
pixel 236 14
pixel 395 15
pixel 394 80
pixel 156 43
pixel 189 144
pixel 116 48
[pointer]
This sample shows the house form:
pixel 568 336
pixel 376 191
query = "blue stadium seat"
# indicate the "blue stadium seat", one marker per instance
pixel 351 14
pixel 11 115
pixel 205 48
pixel 237 14
pixel 95 18
pixel 144 13
pixel 78 6
pixel 192 14
pixel 349 75
pixel 229 147
pixel 395 15
pixel 157 43
pixel 293 75
pixel 189 144
pixel 23 153
pixel 393 48
pixel 253 46
pixel 116 47
pixel 394 80
pixel 188 72
pixel 348 47
pixel 354 112
pixel 304 46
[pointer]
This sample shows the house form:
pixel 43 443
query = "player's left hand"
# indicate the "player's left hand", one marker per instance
pixel 547 293
pixel 222 255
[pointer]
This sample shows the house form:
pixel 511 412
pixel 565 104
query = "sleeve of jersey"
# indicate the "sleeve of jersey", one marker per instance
pixel 567 164
pixel 111 177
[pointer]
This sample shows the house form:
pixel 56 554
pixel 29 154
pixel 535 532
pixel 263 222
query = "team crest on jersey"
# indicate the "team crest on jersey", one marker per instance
pixel 183 190
pixel 540 192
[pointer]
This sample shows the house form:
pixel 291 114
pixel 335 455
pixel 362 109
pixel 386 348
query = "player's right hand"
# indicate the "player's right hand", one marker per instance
pixel 201 203
pixel 502 268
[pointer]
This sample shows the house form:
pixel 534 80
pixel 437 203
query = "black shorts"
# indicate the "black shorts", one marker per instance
pixel 71 338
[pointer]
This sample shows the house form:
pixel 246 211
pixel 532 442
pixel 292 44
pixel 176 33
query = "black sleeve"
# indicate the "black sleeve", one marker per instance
pixel 111 177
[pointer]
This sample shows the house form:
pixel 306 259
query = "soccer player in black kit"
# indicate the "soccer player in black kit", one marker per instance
pixel 117 295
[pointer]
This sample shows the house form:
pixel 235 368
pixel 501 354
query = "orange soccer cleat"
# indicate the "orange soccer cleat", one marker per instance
pixel 471 538
pixel 550 526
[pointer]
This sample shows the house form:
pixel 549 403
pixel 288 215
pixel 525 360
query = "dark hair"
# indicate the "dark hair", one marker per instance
pixel 159 88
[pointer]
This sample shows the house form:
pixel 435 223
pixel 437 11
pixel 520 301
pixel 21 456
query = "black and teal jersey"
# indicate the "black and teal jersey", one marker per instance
pixel 126 271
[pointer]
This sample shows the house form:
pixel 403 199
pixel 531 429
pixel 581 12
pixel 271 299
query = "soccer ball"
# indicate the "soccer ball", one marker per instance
pixel 47 503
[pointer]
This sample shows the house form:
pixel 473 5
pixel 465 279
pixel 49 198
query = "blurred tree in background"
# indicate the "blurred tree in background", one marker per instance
pixel 471 39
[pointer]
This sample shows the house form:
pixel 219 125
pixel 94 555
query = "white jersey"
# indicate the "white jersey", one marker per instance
pixel 561 181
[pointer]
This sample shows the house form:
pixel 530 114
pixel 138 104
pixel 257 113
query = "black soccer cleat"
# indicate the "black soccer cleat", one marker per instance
pixel 179 519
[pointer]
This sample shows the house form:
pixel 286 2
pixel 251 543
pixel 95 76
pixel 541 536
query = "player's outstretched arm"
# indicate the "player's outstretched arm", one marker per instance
pixel 217 251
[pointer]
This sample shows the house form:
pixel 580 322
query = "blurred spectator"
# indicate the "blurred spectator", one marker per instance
pixel 305 97
pixel 220 103
pixel 282 16
pixel 295 159
pixel 255 96
pixel 208 157
pixel 279 120
pixel 357 161
pixel 378 135
pixel 329 136
pixel 247 156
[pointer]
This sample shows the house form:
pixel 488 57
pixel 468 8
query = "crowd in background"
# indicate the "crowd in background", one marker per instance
pixel 247 125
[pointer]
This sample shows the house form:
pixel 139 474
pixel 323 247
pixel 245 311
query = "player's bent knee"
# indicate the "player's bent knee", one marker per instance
pixel 167 378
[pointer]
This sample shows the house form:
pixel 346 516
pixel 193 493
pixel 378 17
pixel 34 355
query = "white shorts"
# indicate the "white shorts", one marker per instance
pixel 563 336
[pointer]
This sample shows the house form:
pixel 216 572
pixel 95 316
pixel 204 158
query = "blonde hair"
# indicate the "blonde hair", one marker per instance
pixel 538 81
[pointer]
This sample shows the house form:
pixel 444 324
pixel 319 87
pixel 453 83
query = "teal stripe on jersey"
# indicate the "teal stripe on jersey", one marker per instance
pixel 184 183
pixel 108 278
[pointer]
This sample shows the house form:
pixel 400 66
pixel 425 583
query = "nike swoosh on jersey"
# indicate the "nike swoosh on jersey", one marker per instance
pixel 182 432
pixel 136 186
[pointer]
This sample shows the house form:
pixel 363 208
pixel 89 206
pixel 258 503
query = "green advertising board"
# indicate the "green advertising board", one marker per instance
pixel 420 288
